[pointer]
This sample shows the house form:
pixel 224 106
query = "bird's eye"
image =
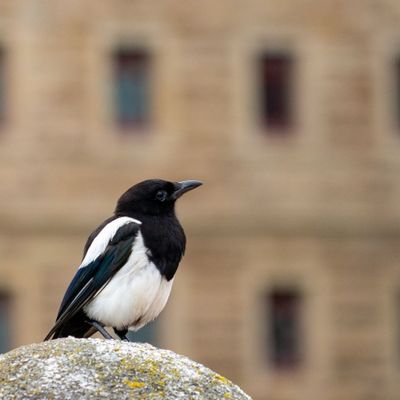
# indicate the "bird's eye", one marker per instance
pixel 161 195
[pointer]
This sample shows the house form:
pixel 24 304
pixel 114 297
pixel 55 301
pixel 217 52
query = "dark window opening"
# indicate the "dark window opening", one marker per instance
pixel 5 322
pixel 284 330
pixel 276 91
pixel 131 87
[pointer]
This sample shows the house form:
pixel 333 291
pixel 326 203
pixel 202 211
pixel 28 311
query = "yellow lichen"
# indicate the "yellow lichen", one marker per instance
pixel 221 379
pixel 134 384
pixel 227 395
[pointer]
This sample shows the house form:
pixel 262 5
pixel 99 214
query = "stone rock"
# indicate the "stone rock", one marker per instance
pixel 107 369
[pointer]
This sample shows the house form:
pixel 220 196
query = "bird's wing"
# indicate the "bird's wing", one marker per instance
pixel 96 271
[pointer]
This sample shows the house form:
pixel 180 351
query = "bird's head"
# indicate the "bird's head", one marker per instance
pixel 153 197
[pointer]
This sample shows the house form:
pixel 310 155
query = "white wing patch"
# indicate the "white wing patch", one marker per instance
pixel 101 241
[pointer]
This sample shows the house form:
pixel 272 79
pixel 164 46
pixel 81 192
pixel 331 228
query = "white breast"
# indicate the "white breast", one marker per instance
pixel 135 295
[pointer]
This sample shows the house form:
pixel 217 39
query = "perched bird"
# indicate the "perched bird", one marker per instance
pixel 128 264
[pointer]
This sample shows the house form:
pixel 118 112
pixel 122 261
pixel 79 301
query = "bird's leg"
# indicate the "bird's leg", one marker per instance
pixel 121 333
pixel 100 328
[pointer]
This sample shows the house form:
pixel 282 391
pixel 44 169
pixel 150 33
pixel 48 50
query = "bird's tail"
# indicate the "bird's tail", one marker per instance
pixel 76 327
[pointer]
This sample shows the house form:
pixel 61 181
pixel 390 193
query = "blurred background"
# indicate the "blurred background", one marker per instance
pixel 289 112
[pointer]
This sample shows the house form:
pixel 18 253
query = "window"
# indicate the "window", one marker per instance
pixel 275 91
pixel 2 86
pixel 147 334
pixel 5 316
pixel 284 331
pixel 131 87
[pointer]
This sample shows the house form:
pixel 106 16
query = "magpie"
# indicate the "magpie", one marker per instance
pixel 128 265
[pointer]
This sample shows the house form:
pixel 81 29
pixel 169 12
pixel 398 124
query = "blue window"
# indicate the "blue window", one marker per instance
pixel 131 86
pixel 284 327
pixel 5 322
pixel 148 334
pixel 275 91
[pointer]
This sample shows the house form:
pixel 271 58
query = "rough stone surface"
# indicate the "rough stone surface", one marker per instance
pixel 106 369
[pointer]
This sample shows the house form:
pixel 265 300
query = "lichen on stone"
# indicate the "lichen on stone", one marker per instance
pixel 106 369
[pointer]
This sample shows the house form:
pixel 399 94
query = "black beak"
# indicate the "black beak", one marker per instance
pixel 183 187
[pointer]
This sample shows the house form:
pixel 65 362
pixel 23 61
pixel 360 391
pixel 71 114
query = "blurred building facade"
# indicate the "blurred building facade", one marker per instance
pixel 289 112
